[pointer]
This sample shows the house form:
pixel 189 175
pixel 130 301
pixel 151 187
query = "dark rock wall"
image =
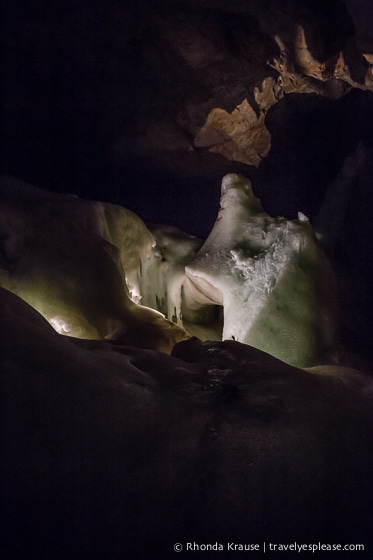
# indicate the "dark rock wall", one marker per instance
pixel 112 452
pixel 99 98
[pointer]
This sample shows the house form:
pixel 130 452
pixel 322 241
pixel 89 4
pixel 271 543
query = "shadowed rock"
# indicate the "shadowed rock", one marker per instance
pixel 116 452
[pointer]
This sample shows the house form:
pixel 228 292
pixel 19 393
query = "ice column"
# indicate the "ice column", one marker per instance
pixel 269 274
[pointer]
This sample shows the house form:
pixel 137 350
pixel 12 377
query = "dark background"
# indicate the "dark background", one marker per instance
pixel 82 81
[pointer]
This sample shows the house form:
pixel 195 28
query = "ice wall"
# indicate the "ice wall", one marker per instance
pixel 269 274
pixel 85 266
pixel 79 264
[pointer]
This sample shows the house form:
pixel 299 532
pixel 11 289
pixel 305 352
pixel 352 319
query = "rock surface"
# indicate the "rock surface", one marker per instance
pixel 111 451
pixel 90 98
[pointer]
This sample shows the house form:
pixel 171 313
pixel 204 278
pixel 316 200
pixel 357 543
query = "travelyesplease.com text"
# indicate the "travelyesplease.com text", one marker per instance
pixel 267 547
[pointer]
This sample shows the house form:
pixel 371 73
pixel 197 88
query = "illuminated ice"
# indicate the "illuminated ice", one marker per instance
pixel 270 276
pixel 163 274
pixel 79 264
pixel 86 266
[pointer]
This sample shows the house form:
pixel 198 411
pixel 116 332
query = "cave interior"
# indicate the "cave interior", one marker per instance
pixel 151 437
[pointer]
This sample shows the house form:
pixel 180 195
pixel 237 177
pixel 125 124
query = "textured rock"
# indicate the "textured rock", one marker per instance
pixel 241 135
pixel 145 78
pixel 111 451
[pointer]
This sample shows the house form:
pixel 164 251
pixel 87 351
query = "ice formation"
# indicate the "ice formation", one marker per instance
pixel 94 270
pixel 270 276
pixel 79 264
pixel 163 273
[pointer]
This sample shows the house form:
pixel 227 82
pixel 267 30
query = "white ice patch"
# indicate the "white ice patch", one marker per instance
pixel 59 325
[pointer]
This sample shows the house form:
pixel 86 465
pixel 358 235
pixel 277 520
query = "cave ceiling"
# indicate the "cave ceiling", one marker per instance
pixel 129 100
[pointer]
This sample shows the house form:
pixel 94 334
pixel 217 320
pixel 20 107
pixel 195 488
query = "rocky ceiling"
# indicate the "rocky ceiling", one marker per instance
pixel 148 104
